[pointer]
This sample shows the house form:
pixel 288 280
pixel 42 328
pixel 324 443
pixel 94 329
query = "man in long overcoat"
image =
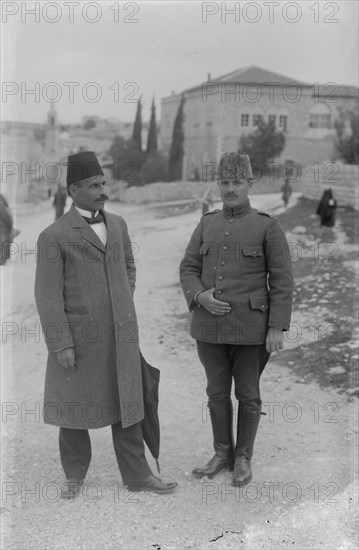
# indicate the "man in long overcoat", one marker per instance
pixel 85 279
pixel 237 279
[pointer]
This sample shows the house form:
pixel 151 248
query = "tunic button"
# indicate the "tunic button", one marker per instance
pixel 220 277
pixel 219 292
pixel 222 263
pixel 227 233
pixel 262 306
pixel 230 221
pixel 254 252
pixel 224 247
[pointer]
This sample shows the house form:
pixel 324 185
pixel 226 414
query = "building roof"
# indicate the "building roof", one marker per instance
pixel 332 89
pixel 258 75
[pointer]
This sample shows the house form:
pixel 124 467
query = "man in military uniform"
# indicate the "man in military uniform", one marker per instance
pixel 237 279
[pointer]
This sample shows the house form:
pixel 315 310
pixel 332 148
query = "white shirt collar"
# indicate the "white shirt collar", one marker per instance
pixel 85 213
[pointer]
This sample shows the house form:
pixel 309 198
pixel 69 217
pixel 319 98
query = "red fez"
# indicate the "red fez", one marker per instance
pixel 82 166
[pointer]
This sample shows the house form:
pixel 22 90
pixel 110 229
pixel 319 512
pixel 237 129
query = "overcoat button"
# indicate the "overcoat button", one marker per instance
pixel 227 233
pixel 220 277
pixel 219 292
pixel 222 263
pixel 224 247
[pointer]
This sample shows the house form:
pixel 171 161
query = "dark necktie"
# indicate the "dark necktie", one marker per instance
pixel 97 219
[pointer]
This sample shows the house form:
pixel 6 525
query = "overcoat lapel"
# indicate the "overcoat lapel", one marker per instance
pixel 112 246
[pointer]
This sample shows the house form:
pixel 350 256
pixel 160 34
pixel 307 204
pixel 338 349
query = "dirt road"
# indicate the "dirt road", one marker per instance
pixel 303 493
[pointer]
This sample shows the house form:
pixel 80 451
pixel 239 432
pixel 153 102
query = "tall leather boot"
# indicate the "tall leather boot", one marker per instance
pixel 221 413
pixel 247 425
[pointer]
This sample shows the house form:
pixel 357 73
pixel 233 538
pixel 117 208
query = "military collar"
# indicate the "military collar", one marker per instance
pixel 238 211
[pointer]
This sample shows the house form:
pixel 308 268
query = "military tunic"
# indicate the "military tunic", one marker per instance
pixel 243 253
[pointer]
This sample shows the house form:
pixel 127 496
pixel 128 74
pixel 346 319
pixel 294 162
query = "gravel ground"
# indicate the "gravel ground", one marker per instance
pixel 304 489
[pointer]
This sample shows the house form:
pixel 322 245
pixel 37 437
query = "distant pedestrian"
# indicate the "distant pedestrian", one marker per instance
pixel 7 231
pixel 326 209
pixel 286 191
pixel 59 202
pixel 207 203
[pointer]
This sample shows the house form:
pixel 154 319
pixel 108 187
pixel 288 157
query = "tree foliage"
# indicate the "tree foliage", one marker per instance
pixel 152 132
pixel 263 145
pixel 127 160
pixel 89 124
pixel 347 143
pixel 177 149
pixel 155 168
pixel 137 127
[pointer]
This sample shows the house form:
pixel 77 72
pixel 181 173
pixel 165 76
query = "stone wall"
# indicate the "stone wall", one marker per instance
pixel 163 192
pixel 341 178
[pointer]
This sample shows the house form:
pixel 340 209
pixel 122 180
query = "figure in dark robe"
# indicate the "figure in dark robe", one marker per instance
pixel 326 209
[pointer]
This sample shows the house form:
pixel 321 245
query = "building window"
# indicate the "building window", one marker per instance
pixel 319 120
pixel 272 118
pixel 245 120
pixel 283 122
pixel 256 119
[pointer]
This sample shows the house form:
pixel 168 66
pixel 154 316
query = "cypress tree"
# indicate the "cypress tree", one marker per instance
pixel 137 127
pixel 152 131
pixel 177 149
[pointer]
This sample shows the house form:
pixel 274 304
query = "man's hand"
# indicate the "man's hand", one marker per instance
pixel 209 302
pixel 274 340
pixel 66 358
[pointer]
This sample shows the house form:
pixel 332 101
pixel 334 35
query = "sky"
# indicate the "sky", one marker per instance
pixel 102 56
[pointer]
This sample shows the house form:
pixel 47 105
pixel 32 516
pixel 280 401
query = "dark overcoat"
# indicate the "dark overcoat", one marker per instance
pixel 243 253
pixel 84 296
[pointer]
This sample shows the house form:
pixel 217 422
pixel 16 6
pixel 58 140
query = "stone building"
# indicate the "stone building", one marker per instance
pixel 218 112
pixel 34 155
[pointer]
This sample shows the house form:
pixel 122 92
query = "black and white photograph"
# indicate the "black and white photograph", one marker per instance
pixel 179 272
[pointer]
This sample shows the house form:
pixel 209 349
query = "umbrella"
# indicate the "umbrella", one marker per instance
pixel 151 424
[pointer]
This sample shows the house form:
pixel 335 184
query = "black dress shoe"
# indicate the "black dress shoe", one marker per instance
pixel 242 473
pixel 154 484
pixel 71 488
pixel 215 465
